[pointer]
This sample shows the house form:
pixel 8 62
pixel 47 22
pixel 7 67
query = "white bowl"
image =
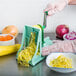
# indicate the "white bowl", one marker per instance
pixel 9 42
pixel 62 70
pixel 64 37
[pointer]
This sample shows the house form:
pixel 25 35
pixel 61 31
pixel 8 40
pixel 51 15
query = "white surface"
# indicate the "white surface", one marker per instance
pixel 6 43
pixel 30 12
pixel 62 70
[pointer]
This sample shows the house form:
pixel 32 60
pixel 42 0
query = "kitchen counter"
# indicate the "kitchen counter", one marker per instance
pixel 9 66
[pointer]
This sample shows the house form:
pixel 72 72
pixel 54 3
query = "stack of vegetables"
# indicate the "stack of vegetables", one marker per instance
pixel 10 32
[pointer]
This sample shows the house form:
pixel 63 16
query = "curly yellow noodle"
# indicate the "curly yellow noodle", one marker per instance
pixel 61 62
pixel 26 55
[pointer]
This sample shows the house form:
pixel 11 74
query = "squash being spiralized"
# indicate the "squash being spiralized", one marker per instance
pixel 26 55
pixel 61 62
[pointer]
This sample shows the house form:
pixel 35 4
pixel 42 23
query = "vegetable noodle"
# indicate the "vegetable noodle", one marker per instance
pixel 26 55
pixel 61 62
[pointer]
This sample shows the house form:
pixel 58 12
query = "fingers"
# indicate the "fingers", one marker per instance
pixel 56 41
pixel 51 9
pixel 44 53
pixel 51 12
pixel 55 7
pixel 47 50
pixel 60 46
pixel 67 46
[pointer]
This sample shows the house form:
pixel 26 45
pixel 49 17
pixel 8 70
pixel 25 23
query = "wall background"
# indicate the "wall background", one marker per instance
pixel 30 12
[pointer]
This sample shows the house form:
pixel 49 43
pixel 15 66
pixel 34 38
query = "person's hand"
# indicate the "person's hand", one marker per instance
pixel 55 7
pixel 60 46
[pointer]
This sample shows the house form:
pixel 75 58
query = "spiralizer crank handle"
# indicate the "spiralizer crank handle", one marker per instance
pixel 45 19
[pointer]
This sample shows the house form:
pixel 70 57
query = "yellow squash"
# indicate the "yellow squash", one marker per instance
pixel 5 50
pixel 37 26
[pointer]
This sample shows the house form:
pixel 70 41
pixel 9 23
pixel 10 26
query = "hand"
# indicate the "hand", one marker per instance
pixel 60 46
pixel 57 6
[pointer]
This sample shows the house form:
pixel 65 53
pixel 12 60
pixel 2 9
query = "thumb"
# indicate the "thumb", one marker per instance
pixel 47 50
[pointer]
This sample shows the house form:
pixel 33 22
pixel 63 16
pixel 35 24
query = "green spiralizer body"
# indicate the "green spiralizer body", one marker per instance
pixel 39 40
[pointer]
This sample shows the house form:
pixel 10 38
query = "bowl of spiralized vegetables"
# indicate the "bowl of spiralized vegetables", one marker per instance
pixel 61 62
pixel 70 36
